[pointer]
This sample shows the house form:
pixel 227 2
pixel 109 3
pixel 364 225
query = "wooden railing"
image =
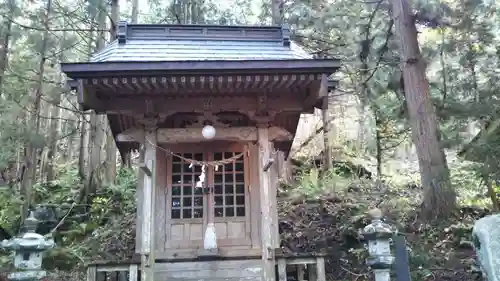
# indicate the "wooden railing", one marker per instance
pixel 304 265
pixel 127 270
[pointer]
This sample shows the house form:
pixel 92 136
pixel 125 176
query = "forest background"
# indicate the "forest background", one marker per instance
pixel 423 124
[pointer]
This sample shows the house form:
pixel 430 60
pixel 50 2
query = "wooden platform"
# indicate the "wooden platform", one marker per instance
pixel 310 265
pixel 218 270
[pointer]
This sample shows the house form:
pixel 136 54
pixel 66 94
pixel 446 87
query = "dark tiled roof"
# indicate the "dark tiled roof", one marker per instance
pixel 141 42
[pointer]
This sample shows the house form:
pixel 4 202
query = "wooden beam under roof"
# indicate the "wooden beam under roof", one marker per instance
pixel 193 135
pixel 165 106
pixel 318 92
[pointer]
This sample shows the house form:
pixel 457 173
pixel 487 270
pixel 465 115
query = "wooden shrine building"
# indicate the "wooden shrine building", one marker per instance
pixel 209 106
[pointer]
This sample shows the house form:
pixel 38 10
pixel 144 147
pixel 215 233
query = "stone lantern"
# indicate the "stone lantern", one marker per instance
pixel 379 235
pixel 28 250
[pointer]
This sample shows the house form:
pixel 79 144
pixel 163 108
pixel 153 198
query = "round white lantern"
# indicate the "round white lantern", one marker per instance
pixel 208 132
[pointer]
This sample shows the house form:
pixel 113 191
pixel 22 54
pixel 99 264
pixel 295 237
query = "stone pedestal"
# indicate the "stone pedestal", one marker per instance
pixel 379 235
pixel 28 250
pixel 486 237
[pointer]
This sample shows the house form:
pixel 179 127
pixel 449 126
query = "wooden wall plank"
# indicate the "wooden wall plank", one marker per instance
pixel 210 265
pixel 232 251
pixel 161 277
pixel 251 270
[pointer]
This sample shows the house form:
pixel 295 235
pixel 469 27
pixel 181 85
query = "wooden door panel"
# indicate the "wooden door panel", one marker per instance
pixel 232 214
pixel 232 233
pixel 185 235
pixel 185 203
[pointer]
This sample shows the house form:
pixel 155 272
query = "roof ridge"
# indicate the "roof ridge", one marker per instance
pixel 203 32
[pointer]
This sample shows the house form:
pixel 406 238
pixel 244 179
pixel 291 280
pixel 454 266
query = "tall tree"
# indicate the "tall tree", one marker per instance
pixel 55 113
pixel 34 141
pixel 277 11
pixel 135 11
pixel 5 33
pixel 439 196
pixel 110 141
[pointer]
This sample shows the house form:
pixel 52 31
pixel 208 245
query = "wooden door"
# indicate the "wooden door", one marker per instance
pixel 185 202
pixel 187 206
pixel 231 196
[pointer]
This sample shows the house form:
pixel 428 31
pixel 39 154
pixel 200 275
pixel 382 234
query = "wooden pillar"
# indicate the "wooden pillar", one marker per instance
pixel 273 192
pixel 265 201
pixel 133 273
pixel 300 272
pixel 311 272
pixel 91 273
pixel 282 270
pixel 139 195
pixel 320 269
pixel 254 191
pixel 148 204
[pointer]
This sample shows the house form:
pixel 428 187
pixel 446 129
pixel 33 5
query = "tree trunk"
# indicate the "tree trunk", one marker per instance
pixel 378 142
pixel 115 12
pixel 439 196
pixel 194 12
pixel 277 11
pixel 6 33
pixel 110 142
pixel 361 137
pixel 135 11
pixel 98 124
pixel 31 154
pixel 70 126
pixel 127 159
pixel 327 153
pixel 110 157
pixel 83 154
pixel 55 123
pixel 43 151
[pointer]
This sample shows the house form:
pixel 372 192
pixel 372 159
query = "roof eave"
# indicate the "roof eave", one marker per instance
pixel 79 70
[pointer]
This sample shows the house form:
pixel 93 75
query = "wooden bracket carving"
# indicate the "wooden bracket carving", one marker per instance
pixel 144 167
pixel 262 106
pixel 262 115
pixel 207 105
pixel 150 122
pixel 268 165
pixel 262 118
pixel 207 117
pixel 262 102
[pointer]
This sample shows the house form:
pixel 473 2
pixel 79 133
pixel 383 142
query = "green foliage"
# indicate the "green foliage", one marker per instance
pixel 10 209
pixel 114 204
pixel 313 183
